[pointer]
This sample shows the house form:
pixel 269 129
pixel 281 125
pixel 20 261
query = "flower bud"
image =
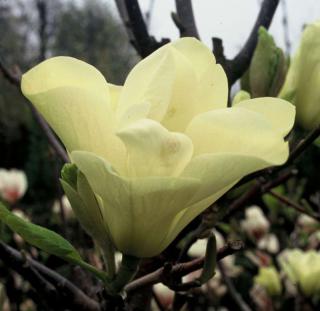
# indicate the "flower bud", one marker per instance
pixel 268 67
pixel 255 224
pixel 13 185
pixel 303 79
pixel 269 279
pixel 302 269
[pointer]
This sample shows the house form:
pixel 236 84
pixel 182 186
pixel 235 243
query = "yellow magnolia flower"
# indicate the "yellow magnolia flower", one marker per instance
pixel 269 279
pixel 303 79
pixel 162 148
pixel 302 269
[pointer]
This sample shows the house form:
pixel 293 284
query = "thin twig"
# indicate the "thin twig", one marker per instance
pixel 232 290
pixel 236 67
pixel 53 141
pixel 186 18
pixel 294 205
pixel 179 270
pixel 73 297
pixel 257 189
pixel 303 145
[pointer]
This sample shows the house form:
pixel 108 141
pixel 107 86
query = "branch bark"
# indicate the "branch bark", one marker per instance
pixel 186 19
pixel 179 270
pixel 132 18
pixel 51 284
pixel 236 67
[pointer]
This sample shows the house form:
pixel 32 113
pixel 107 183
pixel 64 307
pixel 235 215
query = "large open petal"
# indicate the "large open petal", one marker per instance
pixel 62 71
pixel 217 173
pixel 280 113
pixel 155 151
pixel 74 98
pixel 148 88
pixel 134 206
pixel 212 86
pixel 82 120
pixel 240 131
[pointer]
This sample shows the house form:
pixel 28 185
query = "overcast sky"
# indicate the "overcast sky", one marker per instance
pixel 231 20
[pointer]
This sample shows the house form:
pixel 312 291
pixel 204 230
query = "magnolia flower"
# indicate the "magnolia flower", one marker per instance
pixel 307 223
pixel 269 279
pixel 13 185
pixel 198 248
pixel 56 208
pixel 162 148
pixel 269 243
pixel 164 294
pixel 302 269
pixel 255 224
pixel 302 82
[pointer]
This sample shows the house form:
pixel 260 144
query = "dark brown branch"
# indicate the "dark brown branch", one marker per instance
pixel 232 290
pixel 303 145
pixel 132 18
pixel 53 141
pixel 258 189
pixel 52 283
pixel 43 21
pixel 236 67
pixel 186 19
pixel 294 205
pixel 179 270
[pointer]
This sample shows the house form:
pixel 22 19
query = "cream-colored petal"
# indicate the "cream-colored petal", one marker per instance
pixel 217 173
pixel 62 71
pixel 138 211
pixel 280 113
pixel 148 88
pixel 74 98
pixel 83 121
pixel 184 103
pixel 115 91
pixel 199 54
pixel 154 151
pixel 240 131
pixel 212 87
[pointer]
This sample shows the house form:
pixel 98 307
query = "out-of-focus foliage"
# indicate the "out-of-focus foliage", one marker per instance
pixel 98 39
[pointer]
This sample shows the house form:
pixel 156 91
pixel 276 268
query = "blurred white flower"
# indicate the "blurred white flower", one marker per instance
pixel 255 224
pixel 307 223
pixel 164 294
pixel 269 243
pixel 13 185
pixel 68 212
pixel 198 248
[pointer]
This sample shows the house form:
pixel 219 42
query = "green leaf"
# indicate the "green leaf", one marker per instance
pixel 46 240
pixel 69 174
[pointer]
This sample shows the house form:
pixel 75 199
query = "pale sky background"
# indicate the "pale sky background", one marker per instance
pixel 231 20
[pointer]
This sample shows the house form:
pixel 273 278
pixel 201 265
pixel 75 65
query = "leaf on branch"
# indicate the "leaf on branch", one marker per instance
pixel 46 240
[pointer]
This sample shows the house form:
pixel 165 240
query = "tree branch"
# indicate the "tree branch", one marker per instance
pixel 53 141
pixel 49 282
pixel 132 18
pixel 294 205
pixel 186 19
pixel 236 67
pixel 179 270
pixel 257 189
pixel 43 21
pixel 232 290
